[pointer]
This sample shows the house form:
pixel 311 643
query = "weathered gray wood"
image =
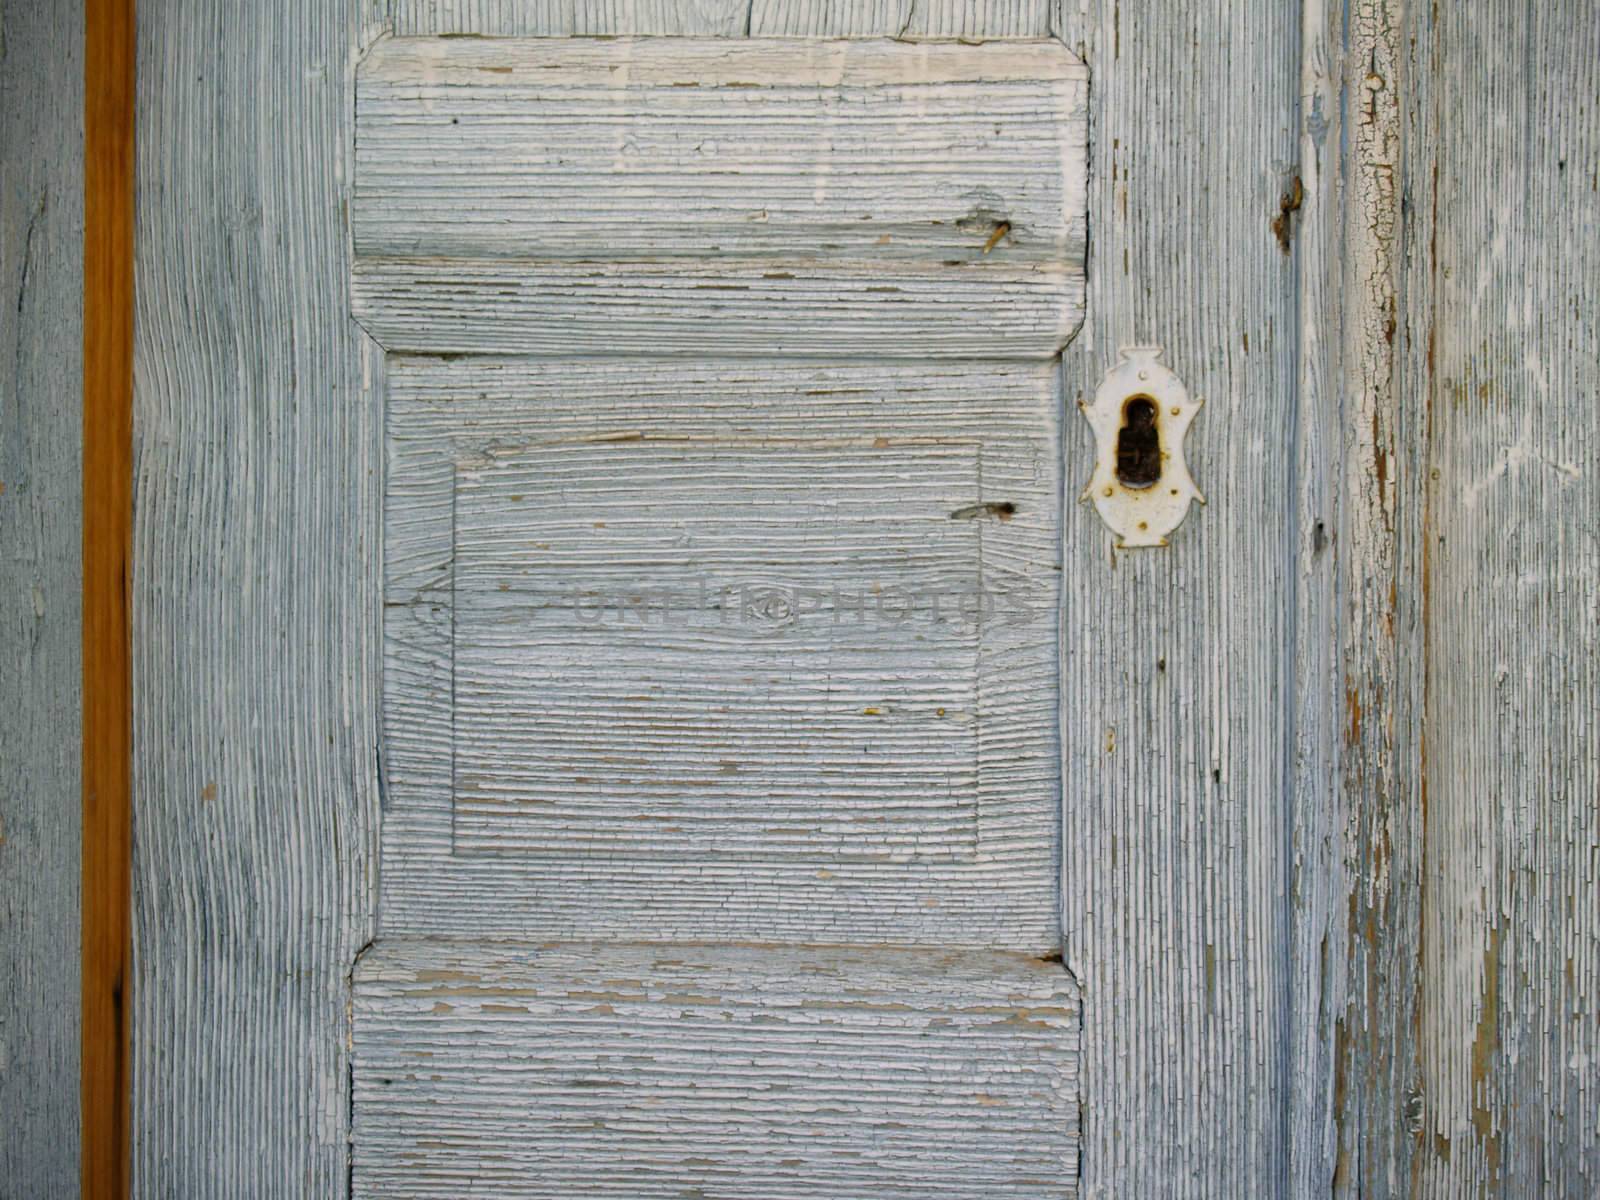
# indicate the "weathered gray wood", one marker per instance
pixel 1242 988
pixel 616 1070
pixel 671 196
pixel 1456 912
pixel 549 779
pixel 1177 664
pixel 255 602
pixel 797 772
pixel 492 307
pixel 698 148
pixel 41 337
pixel 969 19
pixel 570 18
pixel 1360 661
pixel 1319 938
pixel 661 643
pixel 1500 126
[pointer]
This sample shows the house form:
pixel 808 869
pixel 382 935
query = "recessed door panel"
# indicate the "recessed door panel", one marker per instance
pixel 722 649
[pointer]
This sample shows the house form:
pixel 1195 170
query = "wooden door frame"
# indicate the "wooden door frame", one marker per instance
pixel 107 541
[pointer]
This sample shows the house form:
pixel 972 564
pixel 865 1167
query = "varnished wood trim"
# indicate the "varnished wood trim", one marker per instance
pixel 107 530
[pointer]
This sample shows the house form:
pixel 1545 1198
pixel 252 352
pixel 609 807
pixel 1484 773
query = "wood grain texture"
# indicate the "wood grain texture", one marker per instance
pixel 716 1071
pixel 970 20
pixel 552 772
pixel 255 597
pixel 661 644
pixel 1360 659
pixel 695 195
pixel 1177 663
pixel 1341 1023
pixel 569 18
pixel 1501 177
pixel 704 149
pixel 914 19
pixel 1442 325
pixel 41 331
pixel 107 492
pixel 1294 981
pixel 827 312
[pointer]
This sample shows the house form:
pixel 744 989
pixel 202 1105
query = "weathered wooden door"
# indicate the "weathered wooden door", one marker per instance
pixel 626 699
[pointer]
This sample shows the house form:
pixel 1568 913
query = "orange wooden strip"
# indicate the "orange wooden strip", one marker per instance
pixel 107 532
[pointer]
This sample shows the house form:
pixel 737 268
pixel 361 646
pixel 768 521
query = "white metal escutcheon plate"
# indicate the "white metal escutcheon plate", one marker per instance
pixel 1141 484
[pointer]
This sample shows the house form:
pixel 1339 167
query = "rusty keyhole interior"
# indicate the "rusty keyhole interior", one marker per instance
pixel 1139 444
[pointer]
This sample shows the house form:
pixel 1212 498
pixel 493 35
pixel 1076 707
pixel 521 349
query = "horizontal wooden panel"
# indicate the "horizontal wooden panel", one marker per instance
pixel 972 19
pixel 725 307
pixel 722 649
pixel 767 196
pixel 726 1073
pixel 847 150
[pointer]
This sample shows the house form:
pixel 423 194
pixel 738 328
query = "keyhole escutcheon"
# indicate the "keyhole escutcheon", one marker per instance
pixel 1139 443
pixel 1141 483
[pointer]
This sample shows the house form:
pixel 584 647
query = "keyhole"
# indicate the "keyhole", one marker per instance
pixel 1139 444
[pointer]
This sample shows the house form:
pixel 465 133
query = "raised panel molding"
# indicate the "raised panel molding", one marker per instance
pixel 684 196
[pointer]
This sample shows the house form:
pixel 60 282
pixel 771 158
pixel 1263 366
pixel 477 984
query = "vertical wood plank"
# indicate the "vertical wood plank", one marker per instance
pixel 1177 665
pixel 255 601
pixel 1355 848
pixel 107 518
pixel 1502 361
pixel 1316 968
pixel 1463 973
pixel 41 576
pixel 1371 983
